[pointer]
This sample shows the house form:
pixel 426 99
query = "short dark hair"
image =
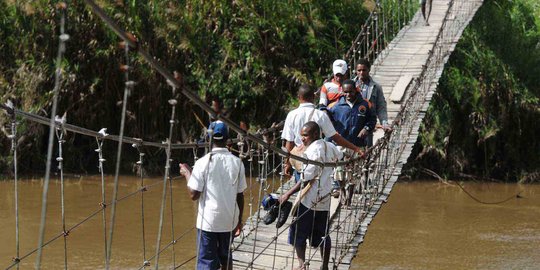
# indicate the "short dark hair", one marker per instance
pixel 306 92
pixel 364 62
pixel 313 128
pixel 348 81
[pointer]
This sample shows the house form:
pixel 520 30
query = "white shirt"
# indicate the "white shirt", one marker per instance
pixel 219 183
pixel 299 116
pixel 322 187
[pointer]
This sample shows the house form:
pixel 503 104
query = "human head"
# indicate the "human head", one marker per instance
pixel 220 133
pixel 362 68
pixel 349 90
pixel 244 125
pixel 310 132
pixel 306 93
pixel 339 69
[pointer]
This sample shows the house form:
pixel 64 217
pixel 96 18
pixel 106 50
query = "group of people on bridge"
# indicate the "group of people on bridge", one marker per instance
pixel 340 125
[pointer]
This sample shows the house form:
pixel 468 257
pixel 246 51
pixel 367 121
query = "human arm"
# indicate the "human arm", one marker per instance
pixel 343 142
pixel 323 99
pixel 185 171
pixel 240 202
pixel 380 103
pixel 287 168
pixel 285 197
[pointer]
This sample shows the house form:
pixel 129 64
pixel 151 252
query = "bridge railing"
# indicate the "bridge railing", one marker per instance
pixel 384 22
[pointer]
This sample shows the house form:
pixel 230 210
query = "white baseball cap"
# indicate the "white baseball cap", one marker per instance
pixel 339 66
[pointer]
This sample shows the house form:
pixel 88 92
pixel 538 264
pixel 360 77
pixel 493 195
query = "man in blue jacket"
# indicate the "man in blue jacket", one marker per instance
pixel 352 115
pixel 354 120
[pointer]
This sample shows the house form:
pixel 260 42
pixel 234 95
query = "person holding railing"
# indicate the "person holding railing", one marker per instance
pixel 296 118
pixel 354 119
pixel 372 91
pixel 217 182
pixel 312 207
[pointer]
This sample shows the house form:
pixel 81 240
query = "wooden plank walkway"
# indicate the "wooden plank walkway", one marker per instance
pixel 265 247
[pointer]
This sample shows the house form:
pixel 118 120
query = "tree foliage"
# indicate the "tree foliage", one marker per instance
pixel 250 54
pixel 483 120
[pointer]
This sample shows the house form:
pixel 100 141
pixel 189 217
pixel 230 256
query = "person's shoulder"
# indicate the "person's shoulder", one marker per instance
pixel 333 104
pixel 374 82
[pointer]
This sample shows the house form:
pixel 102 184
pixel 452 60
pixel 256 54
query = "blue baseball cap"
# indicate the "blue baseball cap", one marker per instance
pixel 220 130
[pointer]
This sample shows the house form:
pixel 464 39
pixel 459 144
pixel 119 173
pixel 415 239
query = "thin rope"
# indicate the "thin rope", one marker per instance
pixel 171 187
pixel 172 243
pixel 229 249
pixel 281 176
pixel 101 160
pixel 127 91
pixel 88 218
pixel 63 37
pixel 140 169
pixel 173 103
pixel 60 136
pixel 202 198
pixel 13 137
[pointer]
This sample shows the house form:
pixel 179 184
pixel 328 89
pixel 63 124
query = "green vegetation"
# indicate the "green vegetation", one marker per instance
pixel 251 54
pixel 483 121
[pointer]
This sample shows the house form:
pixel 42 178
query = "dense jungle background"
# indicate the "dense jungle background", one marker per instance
pixel 483 122
pixel 253 55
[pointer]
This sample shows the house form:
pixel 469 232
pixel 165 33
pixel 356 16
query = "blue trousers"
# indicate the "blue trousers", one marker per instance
pixel 214 251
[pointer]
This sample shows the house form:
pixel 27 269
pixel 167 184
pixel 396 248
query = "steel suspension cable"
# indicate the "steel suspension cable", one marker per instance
pixel 171 198
pixel 192 96
pixel 127 91
pixel 101 160
pixel 140 169
pixel 172 102
pixel 13 137
pixel 63 37
pixel 60 132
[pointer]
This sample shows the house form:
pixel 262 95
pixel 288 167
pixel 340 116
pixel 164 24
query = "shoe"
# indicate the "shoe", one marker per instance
pixel 284 214
pixel 271 215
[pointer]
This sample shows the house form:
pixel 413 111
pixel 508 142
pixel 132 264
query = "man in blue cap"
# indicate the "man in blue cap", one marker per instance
pixel 217 181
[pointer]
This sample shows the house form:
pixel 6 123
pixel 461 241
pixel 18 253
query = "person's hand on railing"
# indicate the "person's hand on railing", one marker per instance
pixel 287 168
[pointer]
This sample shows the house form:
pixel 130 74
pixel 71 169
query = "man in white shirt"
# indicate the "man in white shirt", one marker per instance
pixel 311 217
pixel 217 182
pixel 304 113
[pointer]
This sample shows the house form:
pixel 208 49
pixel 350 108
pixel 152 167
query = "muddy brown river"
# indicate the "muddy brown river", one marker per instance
pixel 424 225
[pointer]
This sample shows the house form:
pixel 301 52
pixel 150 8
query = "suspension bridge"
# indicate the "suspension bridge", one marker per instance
pixel 409 57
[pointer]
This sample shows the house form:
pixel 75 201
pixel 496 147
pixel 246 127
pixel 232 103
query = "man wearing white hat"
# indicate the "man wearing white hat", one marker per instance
pixel 331 91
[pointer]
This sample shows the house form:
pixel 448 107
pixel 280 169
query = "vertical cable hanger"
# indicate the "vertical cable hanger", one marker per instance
pixel 140 170
pixel 172 121
pixel 102 204
pixel 63 38
pixel 13 138
pixel 60 132
pixel 129 85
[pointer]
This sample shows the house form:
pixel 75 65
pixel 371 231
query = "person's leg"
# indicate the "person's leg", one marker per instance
pixel 325 252
pixel 207 250
pixel 320 237
pixel 429 8
pixel 299 232
pixel 423 8
pixel 224 250
pixel 301 255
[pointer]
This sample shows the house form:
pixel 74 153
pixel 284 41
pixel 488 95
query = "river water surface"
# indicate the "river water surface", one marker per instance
pixel 424 225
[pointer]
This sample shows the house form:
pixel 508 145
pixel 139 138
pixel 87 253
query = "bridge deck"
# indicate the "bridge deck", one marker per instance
pixel 407 54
